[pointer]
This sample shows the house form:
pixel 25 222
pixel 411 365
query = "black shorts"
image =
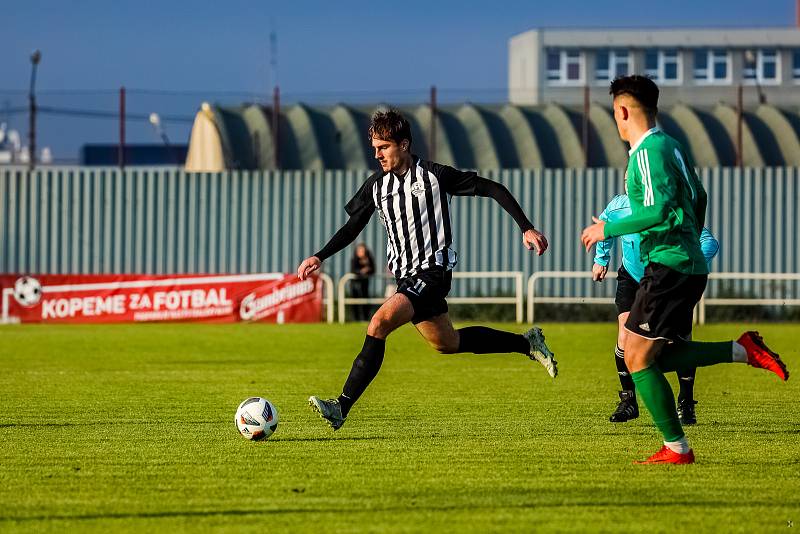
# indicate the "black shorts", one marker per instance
pixel 427 291
pixel 626 291
pixel 664 304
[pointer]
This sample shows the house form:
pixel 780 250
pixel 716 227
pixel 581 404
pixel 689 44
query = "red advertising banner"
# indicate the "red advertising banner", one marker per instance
pixel 269 297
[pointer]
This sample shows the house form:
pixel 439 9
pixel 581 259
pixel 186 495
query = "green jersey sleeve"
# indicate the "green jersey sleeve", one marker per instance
pixel 668 205
pixel 651 191
pixel 699 196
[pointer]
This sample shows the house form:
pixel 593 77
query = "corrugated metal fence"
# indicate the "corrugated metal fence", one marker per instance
pixel 79 220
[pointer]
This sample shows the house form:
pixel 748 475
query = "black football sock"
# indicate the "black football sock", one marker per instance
pixel 686 381
pixel 365 368
pixel 625 379
pixel 484 340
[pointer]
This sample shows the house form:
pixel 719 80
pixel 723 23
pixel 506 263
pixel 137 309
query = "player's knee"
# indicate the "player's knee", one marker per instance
pixel 444 346
pixel 634 361
pixel 379 327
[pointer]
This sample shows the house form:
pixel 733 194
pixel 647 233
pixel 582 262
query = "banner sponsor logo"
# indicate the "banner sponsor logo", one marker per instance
pixel 274 297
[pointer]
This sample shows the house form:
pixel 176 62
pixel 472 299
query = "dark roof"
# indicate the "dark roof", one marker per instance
pixel 500 136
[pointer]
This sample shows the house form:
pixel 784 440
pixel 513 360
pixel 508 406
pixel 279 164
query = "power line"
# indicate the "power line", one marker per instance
pixel 61 92
pixel 249 94
pixel 98 114
pixel 194 92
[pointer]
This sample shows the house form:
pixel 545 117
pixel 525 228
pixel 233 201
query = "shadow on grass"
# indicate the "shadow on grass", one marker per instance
pixel 105 423
pixel 335 438
pixel 399 508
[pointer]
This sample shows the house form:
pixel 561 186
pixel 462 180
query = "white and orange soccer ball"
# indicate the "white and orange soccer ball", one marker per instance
pixel 256 418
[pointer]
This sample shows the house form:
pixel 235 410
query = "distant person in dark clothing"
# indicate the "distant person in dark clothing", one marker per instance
pixel 363 266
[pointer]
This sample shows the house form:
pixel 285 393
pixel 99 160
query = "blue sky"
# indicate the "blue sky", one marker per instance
pixel 347 50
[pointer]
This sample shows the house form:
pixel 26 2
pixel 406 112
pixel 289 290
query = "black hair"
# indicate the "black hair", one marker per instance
pixel 390 125
pixel 641 88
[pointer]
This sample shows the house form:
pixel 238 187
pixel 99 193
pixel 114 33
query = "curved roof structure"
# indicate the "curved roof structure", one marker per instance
pixel 481 136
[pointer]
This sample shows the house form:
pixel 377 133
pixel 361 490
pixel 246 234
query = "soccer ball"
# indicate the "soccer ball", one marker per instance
pixel 256 418
pixel 27 291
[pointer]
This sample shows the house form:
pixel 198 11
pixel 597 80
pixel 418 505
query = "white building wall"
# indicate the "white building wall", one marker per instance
pixel 525 67
pixel 528 83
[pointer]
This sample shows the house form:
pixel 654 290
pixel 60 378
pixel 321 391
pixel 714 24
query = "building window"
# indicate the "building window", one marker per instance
pixel 712 65
pixel 553 65
pixel 573 65
pixel 768 60
pixel 662 65
pixel 669 65
pixel 602 65
pixel 761 66
pixel 651 63
pixel 796 64
pixel 564 67
pixel 611 63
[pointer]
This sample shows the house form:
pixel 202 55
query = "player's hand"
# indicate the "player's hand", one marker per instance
pixel 593 234
pixel 308 266
pixel 533 239
pixel 599 272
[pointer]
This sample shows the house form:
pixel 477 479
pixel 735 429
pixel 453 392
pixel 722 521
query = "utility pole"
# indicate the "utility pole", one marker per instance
pixel 276 98
pixel 585 129
pixel 121 151
pixel 434 111
pixel 276 123
pixel 36 57
pixel 739 118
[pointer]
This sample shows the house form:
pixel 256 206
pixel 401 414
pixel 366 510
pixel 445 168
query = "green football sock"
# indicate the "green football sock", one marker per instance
pixel 653 388
pixel 685 355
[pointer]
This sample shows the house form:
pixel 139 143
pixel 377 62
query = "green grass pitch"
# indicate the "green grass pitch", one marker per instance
pixel 130 428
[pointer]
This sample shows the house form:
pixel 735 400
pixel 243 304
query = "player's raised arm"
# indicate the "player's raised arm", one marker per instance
pixel 531 238
pixel 360 208
pixel 701 204
pixel 653 203
pixel 461 183
pixel 346 235
pixel 602 252
pixel 709 245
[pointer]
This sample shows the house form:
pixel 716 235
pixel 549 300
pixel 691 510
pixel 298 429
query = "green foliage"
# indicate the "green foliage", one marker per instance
pixel 130 428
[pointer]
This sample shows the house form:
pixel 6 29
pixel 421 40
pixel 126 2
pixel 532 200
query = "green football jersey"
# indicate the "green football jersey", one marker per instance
pixel 668 204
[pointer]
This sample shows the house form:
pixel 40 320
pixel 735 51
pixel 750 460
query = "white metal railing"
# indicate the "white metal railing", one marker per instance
pixel 517 299
pixel 341 289
pixel 699 312
pixel 327 299
pixel 723 301
pixel 533 299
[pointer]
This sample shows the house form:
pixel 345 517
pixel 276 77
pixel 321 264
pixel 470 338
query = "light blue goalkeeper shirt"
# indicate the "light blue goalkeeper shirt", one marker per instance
pixel 620 207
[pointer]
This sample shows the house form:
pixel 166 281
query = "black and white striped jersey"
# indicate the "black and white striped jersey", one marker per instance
pixel 415 210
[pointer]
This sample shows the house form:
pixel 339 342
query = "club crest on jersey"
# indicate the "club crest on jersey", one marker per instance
pixel 418 188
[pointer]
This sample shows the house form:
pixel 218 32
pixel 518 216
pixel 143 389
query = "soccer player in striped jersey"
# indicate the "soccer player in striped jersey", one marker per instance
pixel 668 205
pixel 412 198
pixel 628 277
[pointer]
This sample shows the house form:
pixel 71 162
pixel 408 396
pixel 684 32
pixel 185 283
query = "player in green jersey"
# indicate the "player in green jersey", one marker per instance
pixel 668 205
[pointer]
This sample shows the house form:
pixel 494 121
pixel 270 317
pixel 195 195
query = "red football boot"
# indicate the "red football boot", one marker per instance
pixel 668 456
pixel 759 355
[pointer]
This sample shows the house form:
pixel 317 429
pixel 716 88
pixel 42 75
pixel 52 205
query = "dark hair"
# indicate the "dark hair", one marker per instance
pixel 390 125
pixel 641 88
